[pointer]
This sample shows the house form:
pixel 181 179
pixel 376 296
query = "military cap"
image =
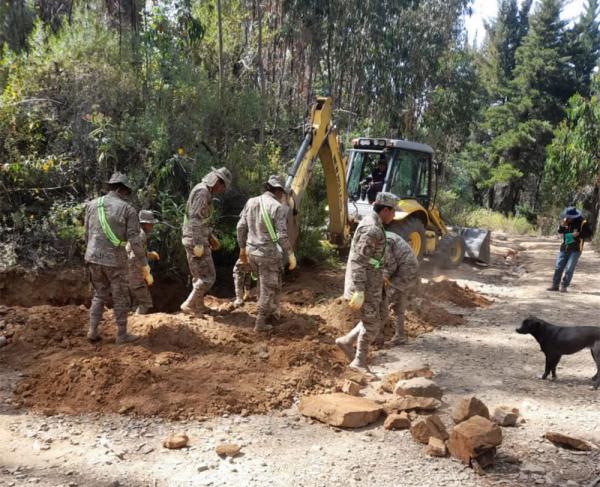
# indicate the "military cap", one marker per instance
pixel 222 173
pixel 120 178
pixel 146 216
pixel 387 199
pixel 276 182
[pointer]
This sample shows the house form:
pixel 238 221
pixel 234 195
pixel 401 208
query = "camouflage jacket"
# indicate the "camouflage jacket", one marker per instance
pixel 133 258
pixel 252 231
pixel 197 226
pixel 122 218
pixel 400 265
pixel 367 248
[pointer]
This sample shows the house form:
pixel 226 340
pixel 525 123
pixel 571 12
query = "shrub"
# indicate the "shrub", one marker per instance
pixel 493 220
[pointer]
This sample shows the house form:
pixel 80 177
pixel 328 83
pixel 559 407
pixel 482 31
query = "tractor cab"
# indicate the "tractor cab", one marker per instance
pixel 400 167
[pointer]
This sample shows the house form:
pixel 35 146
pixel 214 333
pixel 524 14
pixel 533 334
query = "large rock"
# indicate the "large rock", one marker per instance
pixel 475 439
pixel 419 386
pixel 435 448
pixel 412 403
pixel 389 381
pixel 467 408
pixel 397 422
pixel 228 450
pixel 567 441
pixel 505 416
pixel 426 427
pixel 175 442
pixel 340 409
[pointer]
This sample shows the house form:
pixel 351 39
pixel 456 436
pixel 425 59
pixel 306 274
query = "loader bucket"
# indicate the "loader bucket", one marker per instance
pixel 477 244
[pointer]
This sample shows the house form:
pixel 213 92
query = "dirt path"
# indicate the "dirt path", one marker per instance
pixel 484 357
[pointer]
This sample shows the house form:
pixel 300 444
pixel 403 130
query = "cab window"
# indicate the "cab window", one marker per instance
pixel 367 173
pixel 410 178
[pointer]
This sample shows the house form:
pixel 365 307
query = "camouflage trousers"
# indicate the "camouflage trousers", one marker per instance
pixel 241 279
pixel 109 282
pixel 370 313
pixel 269 284
pixel 138 288
pixel 397 300
pixel 203 274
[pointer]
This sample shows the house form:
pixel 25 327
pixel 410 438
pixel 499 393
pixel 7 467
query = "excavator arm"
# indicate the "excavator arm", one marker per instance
pixel 320 141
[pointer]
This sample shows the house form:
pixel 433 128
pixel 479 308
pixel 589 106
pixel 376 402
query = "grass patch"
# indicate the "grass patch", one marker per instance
pixel 492 220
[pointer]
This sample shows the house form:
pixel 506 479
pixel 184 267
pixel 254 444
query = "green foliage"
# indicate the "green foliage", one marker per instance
pixel 89 88
pixel 573 167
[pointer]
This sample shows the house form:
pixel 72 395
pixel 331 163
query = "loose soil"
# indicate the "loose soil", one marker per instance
pixel 189 367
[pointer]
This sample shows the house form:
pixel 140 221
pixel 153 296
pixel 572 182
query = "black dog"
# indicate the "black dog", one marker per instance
pixel 556 341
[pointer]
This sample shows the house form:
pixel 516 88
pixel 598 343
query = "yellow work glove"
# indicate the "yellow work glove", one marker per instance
pixel 147 275
pixel 152 255
pixel 214 243
pixel 292 261
pixel 198 250
pixel 243 256
pixel 357 300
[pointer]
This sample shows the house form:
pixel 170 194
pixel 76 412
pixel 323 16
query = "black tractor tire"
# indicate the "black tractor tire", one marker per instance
pixel 450 251
pixel 412 231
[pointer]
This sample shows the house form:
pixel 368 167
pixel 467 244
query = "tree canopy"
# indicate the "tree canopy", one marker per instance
pixel 164 90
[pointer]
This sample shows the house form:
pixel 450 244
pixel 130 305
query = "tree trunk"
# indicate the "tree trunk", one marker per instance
pixel 220 117
pixel 261 73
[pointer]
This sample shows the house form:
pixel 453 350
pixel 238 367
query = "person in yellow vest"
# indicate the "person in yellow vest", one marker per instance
pixel 110 222
pixel 140 278
pixel 264 244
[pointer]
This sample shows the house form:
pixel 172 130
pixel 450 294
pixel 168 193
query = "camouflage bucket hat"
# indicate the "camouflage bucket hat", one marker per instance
pixel 387 199
pixel 276 182
pixel 222 173
pixel 146 216
pixel 120 178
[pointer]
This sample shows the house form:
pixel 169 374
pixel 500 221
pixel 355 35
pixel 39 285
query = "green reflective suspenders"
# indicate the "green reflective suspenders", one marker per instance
pixel 269 224
pixel 112 238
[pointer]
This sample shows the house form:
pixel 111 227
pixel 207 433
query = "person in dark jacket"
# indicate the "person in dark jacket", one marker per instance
pixel 377 178
pixel 574 230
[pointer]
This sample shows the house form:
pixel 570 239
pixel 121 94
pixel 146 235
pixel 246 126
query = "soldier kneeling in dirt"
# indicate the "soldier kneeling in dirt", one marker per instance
pixel 140 277
pixel 401 282
pixel 110 222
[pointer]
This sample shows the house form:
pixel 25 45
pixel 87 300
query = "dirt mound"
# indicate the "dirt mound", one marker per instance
pixel 181 367
pixel 446 290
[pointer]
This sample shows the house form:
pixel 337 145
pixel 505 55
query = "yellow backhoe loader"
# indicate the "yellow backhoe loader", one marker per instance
pixel 379 164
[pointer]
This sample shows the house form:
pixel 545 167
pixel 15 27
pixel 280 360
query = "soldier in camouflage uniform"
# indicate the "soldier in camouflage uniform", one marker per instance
pixel 364 279
pixel 401 284
pixel 110 222
pixel 198 239
pixel 263 238
pixel 242 273
pixel 140 278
